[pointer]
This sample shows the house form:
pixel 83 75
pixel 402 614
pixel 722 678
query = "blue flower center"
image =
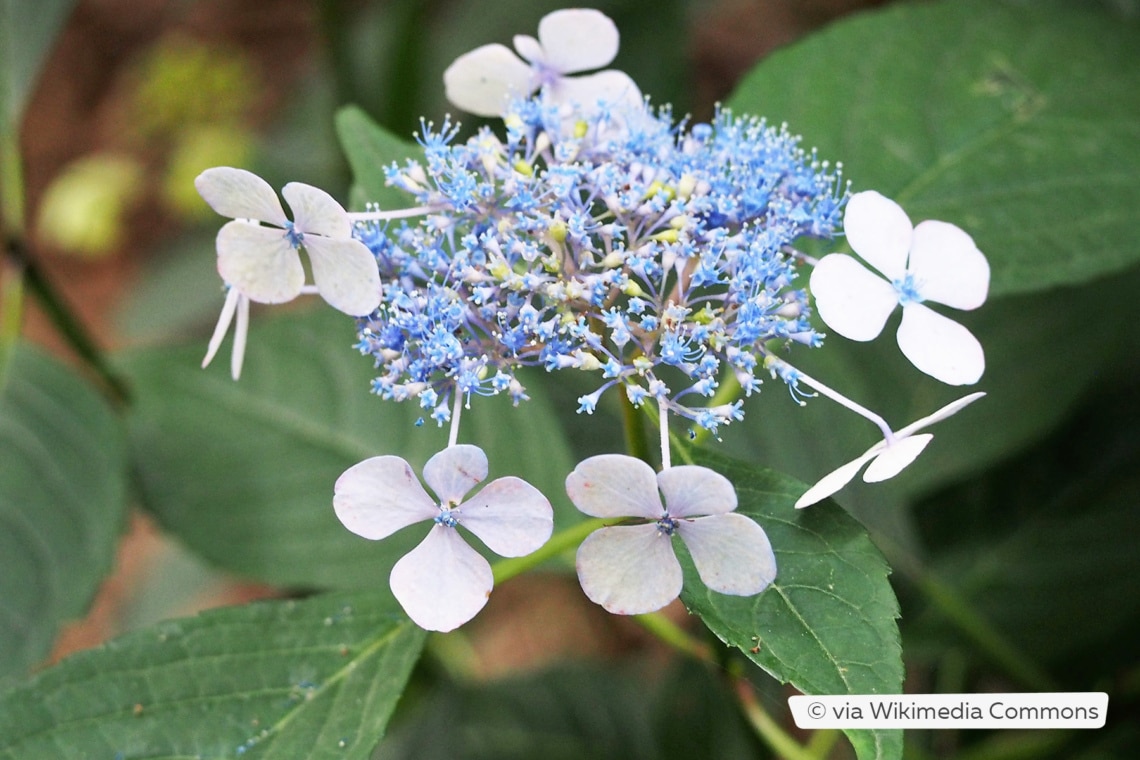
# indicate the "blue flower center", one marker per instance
pixel 907 290
pixel 667 525
pixel 445 518
pixel 294 237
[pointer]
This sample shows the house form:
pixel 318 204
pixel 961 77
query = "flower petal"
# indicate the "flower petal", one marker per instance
pixel 850 299
pixel 377 497
pixel 732 553
pixel 879 231
pixel 529 48
pixel 947 411
pixel 510 516
pixel 692 491
pixel 609 90
pixel 443 582
pixel 615 485
pixel 483 81
pixel 577 39
pixel 345 274
pixel 260 262
pixel 241 335
pixel 316 212
pixel 239 194
pixel 229 306
pixel 629 569
pixel 947 267
pixel 896 457
pixel 836 479
pixel 940 347
pixel 454 471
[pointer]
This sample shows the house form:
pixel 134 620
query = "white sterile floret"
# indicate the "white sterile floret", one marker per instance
pixel 443 582
pixel 263 264
pixel 485 80
pixel 632 569
pixel 887 458
pixel 934 261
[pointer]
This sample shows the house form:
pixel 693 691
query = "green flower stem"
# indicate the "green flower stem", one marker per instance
pixel 560 542
pixel 11 309
pixel 768 729
pixel 675 636
pixel 636 441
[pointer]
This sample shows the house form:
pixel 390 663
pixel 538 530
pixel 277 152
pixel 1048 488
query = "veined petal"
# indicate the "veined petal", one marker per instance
pixel 377 497
pixel 850 299
pixel 483 81
pixel 692 491
pixel 453 472
pixel 629 569
pixel 611 89
pixel 879 231
pixel 315 211
pixel 239 194
pixel 732 553
pixel 259 261
pixel 947 267
pixel 940 347
pixel 510 516
pixel 836 479
pixel 615 485
pixel 577 39
pixel 345 273
pixel 947 411
pixel 895 457
pixel 443 582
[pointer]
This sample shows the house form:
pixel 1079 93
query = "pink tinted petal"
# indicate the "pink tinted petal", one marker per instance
pixel 510 516
pixel 443 582
pixel 260 262
pixel 577 39
pixel 345 273
pixel 835 480
pixel 316 212
pixel 947 267
pixel 850 299
pixel 239 194
pixel 615 485
pixel 879 231
pixel 483 81
pixel 692 491
pixel 377 497
pixel 454 471
pixel 608 90
pixel 629 569
pixel 732 553
pixel 894 458
pixel 529 48
pixel 940 347
pixel 947 411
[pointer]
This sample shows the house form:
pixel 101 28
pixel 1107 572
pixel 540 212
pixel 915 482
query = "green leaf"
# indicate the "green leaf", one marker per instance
pixel 312 679
pixel 62 501
pixel 370 150
pixel 243 472
pixel 27 31
pixel 827 625
pixel 1017 121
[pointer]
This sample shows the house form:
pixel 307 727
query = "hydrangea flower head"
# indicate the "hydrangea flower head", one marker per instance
pixel 632 569
pixel 570 41
pixel 443 582
pixel 887 458
pixel 934 261
pixel 262 263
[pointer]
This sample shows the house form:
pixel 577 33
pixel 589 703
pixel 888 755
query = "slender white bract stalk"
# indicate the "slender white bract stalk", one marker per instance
pixel 380 216
pixel 456 411
pixel 663 413
pixel 839 398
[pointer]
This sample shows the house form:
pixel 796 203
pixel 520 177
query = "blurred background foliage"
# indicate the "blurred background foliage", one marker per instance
pixel 1013 551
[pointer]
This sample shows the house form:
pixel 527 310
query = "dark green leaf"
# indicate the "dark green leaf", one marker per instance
pixel 827 625
pixel 312 679
pixel 243 472
pixel 1017 121
pixel 62 501
pixel 370 150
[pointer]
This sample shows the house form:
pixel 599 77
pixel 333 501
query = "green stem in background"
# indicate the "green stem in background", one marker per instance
pixel 11 309
pixel 636 440
pixel 769 730
pixel 562 541
pixel 675 636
